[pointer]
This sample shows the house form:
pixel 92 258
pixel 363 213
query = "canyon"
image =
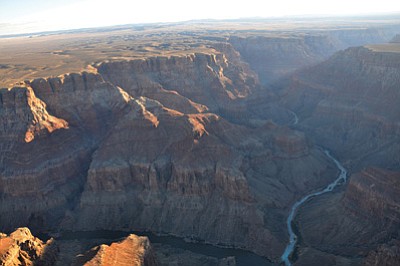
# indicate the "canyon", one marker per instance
pixel 207 135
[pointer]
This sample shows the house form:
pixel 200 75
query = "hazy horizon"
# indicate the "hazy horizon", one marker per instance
pixel 25 16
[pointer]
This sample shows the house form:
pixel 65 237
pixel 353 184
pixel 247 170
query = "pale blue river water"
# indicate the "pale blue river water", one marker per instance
pixel 342 178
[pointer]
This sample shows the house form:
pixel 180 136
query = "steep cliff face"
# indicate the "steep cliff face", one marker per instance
pixel 349 104
pixel 22 248
pixel 29 175
pixel 23 112
pixel 37 147
pixel 172 173
pixel 275 57
pixel 144 152
pixel 132 250
pixel 205 79
pixel 80 98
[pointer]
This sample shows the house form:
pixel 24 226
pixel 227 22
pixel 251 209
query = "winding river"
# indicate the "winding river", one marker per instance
pixel 292 236
pixel 295 118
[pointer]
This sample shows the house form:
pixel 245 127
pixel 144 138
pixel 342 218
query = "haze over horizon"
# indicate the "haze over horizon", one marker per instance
pixel 23 16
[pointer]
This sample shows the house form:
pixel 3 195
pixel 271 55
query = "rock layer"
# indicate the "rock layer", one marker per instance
pixel 349 104
pixel 144 152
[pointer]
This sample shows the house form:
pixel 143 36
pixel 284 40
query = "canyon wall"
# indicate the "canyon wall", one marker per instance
pixel 277 56
pixel 349 104
pixel 153 144
pixel 357 221
pixel 194 145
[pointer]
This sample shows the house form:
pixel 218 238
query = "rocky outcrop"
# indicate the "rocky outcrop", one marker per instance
pixel 203 78
pixel 21 111
pixel 22 105
pixel 35 188
pixel 22 248
pixel 133 250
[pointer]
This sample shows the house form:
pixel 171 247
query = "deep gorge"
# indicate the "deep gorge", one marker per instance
pixel 214 145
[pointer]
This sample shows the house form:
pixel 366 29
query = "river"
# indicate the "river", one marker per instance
pixel 342 178
pixel 242 257
pixel 295 118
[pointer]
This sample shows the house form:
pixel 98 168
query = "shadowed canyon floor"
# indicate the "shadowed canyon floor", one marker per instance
pixel 207 131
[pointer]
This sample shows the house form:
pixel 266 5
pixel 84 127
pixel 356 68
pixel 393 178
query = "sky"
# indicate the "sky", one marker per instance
pixel 22 16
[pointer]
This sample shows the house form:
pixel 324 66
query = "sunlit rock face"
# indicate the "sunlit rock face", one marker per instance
pixel 133 250
pixel 22 248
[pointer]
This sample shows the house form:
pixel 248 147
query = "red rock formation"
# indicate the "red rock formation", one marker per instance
pixel 22 248
pixel 131 251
